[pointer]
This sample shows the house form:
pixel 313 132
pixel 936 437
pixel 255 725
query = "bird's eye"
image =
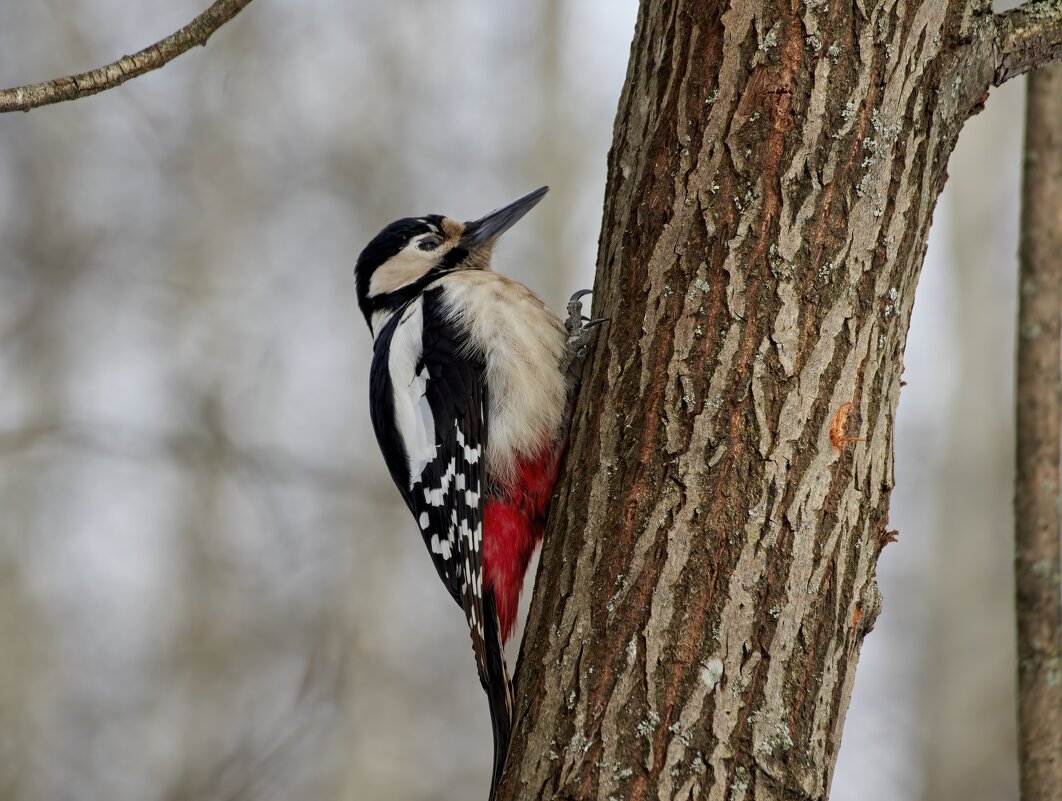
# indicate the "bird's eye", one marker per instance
pixel 429 243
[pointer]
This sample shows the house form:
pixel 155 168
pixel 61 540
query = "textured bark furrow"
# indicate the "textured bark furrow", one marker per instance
pixel 771 183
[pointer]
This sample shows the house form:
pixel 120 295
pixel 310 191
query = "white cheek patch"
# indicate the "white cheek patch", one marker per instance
pixel 406 267
pixel 402 269
pixel 413 415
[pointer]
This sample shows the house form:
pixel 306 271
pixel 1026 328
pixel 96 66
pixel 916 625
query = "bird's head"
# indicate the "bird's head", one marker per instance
pixel 410 253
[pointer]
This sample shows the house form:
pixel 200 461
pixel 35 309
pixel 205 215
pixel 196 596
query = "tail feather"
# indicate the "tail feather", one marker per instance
pixel 499 690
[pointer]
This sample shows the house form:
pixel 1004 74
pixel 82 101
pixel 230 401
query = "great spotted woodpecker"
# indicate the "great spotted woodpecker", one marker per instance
pixel 470 386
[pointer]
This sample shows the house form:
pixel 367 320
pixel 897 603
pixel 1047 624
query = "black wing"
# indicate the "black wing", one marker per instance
pixel 429 404
pixel 428 401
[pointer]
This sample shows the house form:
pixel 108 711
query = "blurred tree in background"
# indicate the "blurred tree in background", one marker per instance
pixel 208 588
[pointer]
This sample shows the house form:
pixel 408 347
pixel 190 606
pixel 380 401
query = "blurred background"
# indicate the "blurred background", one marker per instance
pixel 208 586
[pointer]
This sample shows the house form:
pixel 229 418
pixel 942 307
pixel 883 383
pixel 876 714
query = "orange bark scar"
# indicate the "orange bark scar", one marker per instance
pixel 839 426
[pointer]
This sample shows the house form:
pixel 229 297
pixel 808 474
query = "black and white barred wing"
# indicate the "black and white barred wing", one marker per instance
pixel 438 395
pixel 450 495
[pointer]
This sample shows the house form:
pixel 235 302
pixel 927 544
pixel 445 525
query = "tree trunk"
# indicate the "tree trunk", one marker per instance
pixel 1036 499
pixel 709 572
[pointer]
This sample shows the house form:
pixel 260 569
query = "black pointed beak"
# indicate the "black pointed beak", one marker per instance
pixel 490 226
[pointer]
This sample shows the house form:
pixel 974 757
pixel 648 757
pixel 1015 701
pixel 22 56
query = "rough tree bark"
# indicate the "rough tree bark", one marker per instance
pixel 709 573
pixel 1039 408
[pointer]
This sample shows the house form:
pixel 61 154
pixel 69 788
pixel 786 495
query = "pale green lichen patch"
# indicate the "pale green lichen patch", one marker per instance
pixel 676 729
pixel 1031 330
pixel 1042 9
pixel 700 285
pixel 578 742
pixel 621 585
pixel 887 132
pixel 778 740
pixel 884 136
pixel 1053 671
pixel 742 779
pixel 826 271
pixel 770 40
pixel 648 726
pixel 1043 568
pixel 616 769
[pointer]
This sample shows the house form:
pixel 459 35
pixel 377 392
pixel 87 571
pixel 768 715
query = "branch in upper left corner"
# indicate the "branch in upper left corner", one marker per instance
pixel 71 87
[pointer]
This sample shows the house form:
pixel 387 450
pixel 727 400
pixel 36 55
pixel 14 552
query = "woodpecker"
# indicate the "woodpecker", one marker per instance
pixel 469 393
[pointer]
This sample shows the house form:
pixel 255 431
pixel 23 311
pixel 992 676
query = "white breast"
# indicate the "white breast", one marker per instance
pixel 523 342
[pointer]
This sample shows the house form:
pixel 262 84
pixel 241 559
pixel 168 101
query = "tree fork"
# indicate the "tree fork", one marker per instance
pixel 709 573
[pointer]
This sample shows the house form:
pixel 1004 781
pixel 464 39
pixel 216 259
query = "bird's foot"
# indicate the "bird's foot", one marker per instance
pixel 580 333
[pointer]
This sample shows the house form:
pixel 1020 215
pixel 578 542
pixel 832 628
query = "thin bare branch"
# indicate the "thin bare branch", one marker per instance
pixel 1028 37
pixel 71 87
pixel 1039 409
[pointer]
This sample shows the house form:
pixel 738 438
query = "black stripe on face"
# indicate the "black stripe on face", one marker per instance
pixel 452 260
pixel 394 301
pixel 398 298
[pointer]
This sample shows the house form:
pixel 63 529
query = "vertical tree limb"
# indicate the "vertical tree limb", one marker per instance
pixel 1036 501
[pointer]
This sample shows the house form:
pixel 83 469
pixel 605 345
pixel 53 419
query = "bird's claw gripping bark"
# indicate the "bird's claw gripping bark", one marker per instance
pixel 580 332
